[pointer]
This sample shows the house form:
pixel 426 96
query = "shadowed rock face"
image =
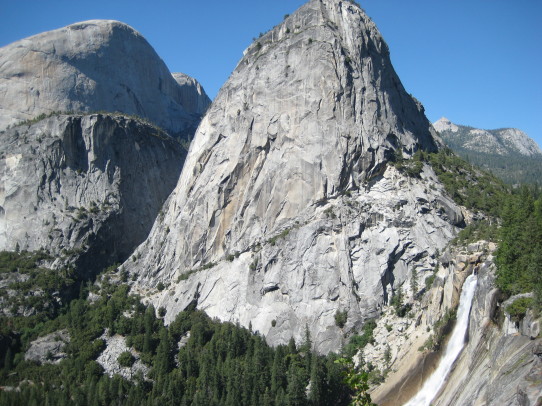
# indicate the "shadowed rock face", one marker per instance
pixel 286 187
pixel 89 187
pixel 192 95
pixel 97 65
pixel 86 188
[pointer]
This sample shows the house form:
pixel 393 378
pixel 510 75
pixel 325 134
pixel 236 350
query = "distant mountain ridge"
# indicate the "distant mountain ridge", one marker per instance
pixel 507 152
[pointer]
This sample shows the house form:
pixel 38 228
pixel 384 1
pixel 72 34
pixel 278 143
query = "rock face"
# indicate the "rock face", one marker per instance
pixel 49 348
pixel 191 94
pixel 97 65
pixel 504 141
pixel 501 363
pixel 84 187
pixel 108 359
pixel 286 208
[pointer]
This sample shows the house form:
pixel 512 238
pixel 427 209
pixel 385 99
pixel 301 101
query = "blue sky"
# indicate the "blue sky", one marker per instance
pixel 477 62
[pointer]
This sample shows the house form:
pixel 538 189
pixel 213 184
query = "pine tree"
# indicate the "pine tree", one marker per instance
pixel 317 383
pixel 8 361
pixel 267 399
pixel 295 393
pixel 278 371
pixel 306 348
pixel 149 320
pixel 163 361
pixel 280 399
pixel 414 282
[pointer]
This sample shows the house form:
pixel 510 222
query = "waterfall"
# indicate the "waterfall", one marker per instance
pixel 453 349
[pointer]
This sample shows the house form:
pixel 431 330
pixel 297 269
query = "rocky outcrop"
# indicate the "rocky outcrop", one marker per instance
pixel 500 365
pixel 191 94
pixel 49 348
pixel 85 188
pixel 114 346
pixel 287 208
pixel 97 65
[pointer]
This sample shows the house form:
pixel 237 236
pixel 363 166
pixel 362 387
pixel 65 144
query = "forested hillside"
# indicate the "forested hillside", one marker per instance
pixel 218 363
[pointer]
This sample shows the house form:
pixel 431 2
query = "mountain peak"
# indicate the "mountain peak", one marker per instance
pixel 260 227
pixel 443 124
pixel 99 22
pixel 95 65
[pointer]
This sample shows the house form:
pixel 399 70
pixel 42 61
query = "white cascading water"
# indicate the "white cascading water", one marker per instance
pixel 453 349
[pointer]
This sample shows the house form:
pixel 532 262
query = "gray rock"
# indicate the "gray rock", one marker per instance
pixel 290 170
pixel 97 65
pixel 504 141
pixel 108 359
pixel 86 188
pixel 49 348
pixel 496 367
pixel 192 96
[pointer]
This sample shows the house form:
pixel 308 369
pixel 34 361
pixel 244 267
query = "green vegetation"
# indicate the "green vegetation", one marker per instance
pixel 414 282
pixel 518 308
pixel 40 117
pixel 429 281
pixel 221 363
pixel 340 318
pixel 441 328
pixel 359 341
pixel 519 256
pixel 330 213
pixel 32 293
pixel 253 265
pixel 476 231
pixel 397 302
pixel 357 380
pixel 411 167
pixel 126 359
pixel 184 276
pixel 282 234
pixel 467 185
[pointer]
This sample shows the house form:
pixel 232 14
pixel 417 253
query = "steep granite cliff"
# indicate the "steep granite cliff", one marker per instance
pixel 86 188
pixel 287 210
pixel 89 187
